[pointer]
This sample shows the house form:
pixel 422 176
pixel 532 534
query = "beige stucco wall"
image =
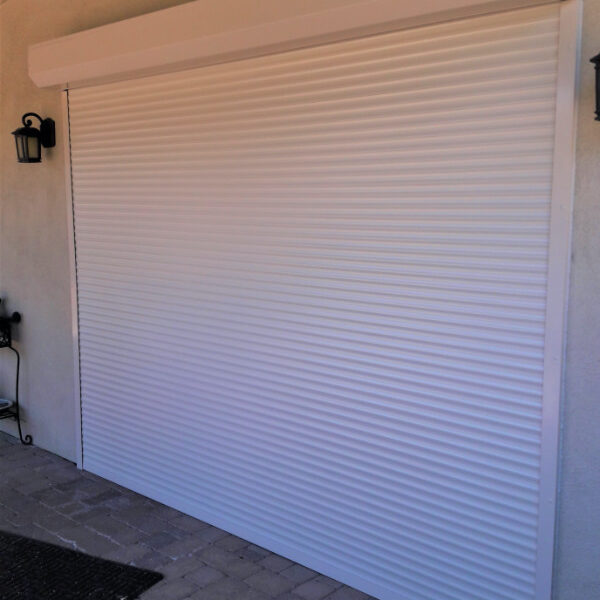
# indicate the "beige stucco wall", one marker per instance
pixel 34 268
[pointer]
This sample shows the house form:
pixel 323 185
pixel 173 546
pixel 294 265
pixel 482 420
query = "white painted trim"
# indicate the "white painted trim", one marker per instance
pixel 190 35
pixel 558 281
pixel 73 276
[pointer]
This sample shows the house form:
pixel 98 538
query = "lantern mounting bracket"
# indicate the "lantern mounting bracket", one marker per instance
pixel 596 61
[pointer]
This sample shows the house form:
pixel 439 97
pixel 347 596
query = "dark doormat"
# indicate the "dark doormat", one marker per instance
pixel 32 570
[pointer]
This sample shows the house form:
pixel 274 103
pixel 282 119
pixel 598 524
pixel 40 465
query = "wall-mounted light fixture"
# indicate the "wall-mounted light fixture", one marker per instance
pixel 596 61
pixel 30 140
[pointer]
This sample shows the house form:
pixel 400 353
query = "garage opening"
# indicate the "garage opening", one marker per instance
pixel 312 295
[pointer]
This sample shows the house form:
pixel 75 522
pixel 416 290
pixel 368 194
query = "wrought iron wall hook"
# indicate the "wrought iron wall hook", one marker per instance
pixel 27 440
pixel 14 411
pixel 27 122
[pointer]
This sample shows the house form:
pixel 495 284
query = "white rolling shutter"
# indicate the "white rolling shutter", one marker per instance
pixel 312 292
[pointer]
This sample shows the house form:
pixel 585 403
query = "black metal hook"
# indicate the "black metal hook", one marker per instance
pixel 27 122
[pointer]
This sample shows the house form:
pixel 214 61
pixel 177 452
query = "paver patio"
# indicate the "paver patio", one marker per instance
pixel 45 497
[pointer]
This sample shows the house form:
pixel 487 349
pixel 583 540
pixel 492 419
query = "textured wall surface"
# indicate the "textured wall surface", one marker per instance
pixel 35 279
pixel 577 573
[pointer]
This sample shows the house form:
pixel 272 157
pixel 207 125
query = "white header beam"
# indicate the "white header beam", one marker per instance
pixel 200 32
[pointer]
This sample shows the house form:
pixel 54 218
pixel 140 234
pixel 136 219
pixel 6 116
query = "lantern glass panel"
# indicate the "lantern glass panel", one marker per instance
pixel 23 142
pixel 34 149
pixel 19 144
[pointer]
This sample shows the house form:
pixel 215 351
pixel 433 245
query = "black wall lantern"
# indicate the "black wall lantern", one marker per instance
pixel 30 140
pixel 596 61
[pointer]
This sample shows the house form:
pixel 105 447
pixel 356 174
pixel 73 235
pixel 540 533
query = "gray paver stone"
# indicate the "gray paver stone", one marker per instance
pixel 232 543
pixel 228 562
pixel 275 563
pixel 313 590
pixel 87 540
pixel 128 554
pixel 115 530
pixel 53 521
pixel 176 590
pixel 183 566
pixel 298 574
pixel 182 547
pixel 229 589
pixel 204 576
pixel 346 593
pixel 102 497
pixel 187 523
pixel 269 583
pixel 159 540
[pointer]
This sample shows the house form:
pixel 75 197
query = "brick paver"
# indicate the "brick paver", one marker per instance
pixel 45 497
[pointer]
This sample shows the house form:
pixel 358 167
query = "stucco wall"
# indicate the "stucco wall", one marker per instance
pixel 34 269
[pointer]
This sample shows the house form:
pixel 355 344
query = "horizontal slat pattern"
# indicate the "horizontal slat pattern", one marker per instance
pixel 312 292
